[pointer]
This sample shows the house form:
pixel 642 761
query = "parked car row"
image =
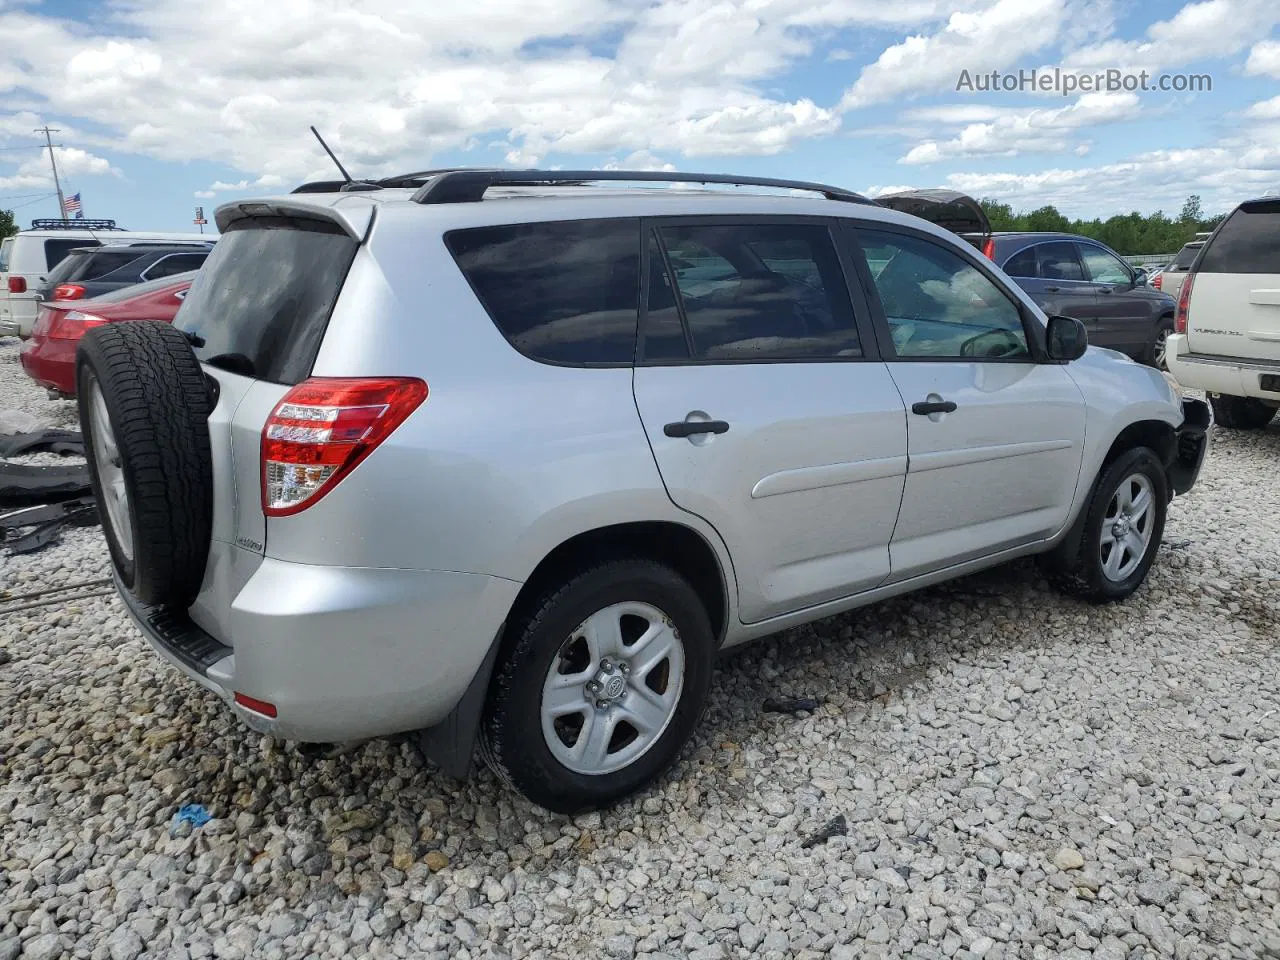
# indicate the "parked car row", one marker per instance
pixel 58 259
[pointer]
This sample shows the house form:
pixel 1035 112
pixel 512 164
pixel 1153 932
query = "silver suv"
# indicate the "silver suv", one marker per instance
pixel 507 457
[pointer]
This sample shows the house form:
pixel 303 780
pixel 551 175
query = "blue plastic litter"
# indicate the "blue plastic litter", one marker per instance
pixel 192 813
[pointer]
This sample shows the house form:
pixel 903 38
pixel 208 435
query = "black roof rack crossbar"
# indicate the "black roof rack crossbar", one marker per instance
pixel 73 225
pixel 469 186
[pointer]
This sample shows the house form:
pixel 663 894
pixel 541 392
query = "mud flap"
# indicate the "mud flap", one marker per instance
pixel 450 744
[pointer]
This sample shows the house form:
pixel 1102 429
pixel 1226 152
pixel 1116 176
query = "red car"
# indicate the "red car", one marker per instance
pixel 49 357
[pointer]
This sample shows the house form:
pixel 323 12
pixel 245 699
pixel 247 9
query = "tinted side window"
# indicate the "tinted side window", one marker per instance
pixel 175 263
pixel 664 334
pixel 1182 262
pixel 1022 263
pixel 55 251
pixel 95 266
pixel 1248 242
pixel 765 291
pixel 1058 261
pixel 1103 267
pixel 937 303
pixel 6 246
pixel 561 292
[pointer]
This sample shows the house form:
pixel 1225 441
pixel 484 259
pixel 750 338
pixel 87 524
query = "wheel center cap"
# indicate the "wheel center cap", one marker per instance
pixel 613 687
pixel 1121 528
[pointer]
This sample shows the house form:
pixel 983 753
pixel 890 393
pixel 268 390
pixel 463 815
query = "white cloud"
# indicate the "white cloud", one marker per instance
pixel 392 82
pixel 1033 131
pixel 1264 59
pixel 34 171
pixel 991 39
pixel 1265 110
pixel 1198 31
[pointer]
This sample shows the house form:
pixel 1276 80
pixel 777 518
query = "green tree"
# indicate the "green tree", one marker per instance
pixel 1128 234
pixel 8 226
pixel 1191 212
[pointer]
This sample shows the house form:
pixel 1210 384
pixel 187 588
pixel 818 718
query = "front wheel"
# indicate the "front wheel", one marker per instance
pixel 1240 413
pixel 1109 552
pixel 602 684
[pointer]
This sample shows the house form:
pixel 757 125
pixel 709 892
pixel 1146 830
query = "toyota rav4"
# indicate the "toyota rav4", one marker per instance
pixel 508 456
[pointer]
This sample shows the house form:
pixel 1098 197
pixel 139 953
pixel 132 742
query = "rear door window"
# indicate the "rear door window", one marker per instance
pixel 564 292
pixel 261 303
pixel 6 250
pixel 757 291
pixel 1022 263
pixel 1248 242
pixel 175 263
pixel 96 265
pixel 1102 265
pixel 1058 261
pixel 55 251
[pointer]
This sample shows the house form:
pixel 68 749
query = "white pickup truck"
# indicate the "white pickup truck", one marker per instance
pixel 1227 326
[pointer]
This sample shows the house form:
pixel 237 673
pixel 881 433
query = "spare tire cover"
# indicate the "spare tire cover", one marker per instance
pixel 144 408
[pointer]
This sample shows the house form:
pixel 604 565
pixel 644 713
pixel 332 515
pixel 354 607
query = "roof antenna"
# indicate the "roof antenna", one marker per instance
pixel 332 156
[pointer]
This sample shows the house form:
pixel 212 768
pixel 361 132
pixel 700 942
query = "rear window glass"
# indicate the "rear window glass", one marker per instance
pixel 94 266
pixel 261 303
pixel 1248 242
pixel 1185 257
pixel 559 292
pixel 5 247
pixel 55 251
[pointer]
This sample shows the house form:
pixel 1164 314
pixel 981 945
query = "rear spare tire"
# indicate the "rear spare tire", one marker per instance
pixel 144 407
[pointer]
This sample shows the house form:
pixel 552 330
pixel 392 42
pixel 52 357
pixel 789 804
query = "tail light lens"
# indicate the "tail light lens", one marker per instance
pixel 72 324
pixel 989 248
pixel 1158 281
pixel 17 284
pixel 1184 303
pixel 67 291
pixel 322 428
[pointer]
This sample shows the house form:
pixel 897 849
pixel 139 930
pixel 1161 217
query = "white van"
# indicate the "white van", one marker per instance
pixel 1227 339
pixel 26 258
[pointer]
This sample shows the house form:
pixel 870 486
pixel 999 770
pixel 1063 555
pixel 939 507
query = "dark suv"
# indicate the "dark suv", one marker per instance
pixel 92 271
pixel 1078 277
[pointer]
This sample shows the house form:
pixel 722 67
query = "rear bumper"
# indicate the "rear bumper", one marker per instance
pixel 341 653
pixel 51 363
pixel 1193 443
pixel 1232 376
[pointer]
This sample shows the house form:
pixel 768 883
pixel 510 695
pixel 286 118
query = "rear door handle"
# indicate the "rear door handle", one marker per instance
pixel 926 407
pixel 691 428
pixel 1052 289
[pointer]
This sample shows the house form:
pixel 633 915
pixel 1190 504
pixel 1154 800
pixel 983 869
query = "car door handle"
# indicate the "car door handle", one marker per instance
pixel 926 407
pixel 691 428
pixel 1052 289
pixel 1107 290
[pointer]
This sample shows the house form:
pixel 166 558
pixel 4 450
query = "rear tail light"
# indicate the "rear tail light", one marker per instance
pixel 72 324
pixel 256 705
pixel 1158 281
pixel 989 248
pixel 322 428
pixel 17 284
pixel 1184 304
pixel 67 291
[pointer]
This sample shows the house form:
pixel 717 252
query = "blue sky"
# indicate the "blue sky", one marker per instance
pixel 164 105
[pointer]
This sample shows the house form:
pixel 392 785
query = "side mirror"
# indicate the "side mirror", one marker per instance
pixel 1067 339
pixel 1140 278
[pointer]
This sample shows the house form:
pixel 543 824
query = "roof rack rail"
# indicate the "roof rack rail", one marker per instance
pixel 469 186
pixel 74 225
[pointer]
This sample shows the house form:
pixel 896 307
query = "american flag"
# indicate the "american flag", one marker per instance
pixel 71 205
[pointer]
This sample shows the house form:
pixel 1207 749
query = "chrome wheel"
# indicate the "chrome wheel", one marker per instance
pixel 1127 528
pixel 1162 349
pixel 110 468
pixel 613 688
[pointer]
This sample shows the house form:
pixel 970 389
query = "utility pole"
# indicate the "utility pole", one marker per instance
pixel 48 139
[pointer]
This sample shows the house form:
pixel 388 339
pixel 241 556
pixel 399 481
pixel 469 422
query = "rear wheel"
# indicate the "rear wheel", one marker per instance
pixel 1109 552
pixel 1240 413
pixel 1158 349
pixel 601 686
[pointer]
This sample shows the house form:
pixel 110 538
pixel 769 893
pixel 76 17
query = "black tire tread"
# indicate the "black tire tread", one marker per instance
pixel 1240 413
pixel 159 402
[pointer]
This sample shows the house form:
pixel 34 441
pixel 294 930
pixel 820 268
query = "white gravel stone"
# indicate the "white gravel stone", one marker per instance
pixel 968 734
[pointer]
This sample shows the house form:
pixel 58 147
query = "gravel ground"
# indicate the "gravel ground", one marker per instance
pixel 1021 776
